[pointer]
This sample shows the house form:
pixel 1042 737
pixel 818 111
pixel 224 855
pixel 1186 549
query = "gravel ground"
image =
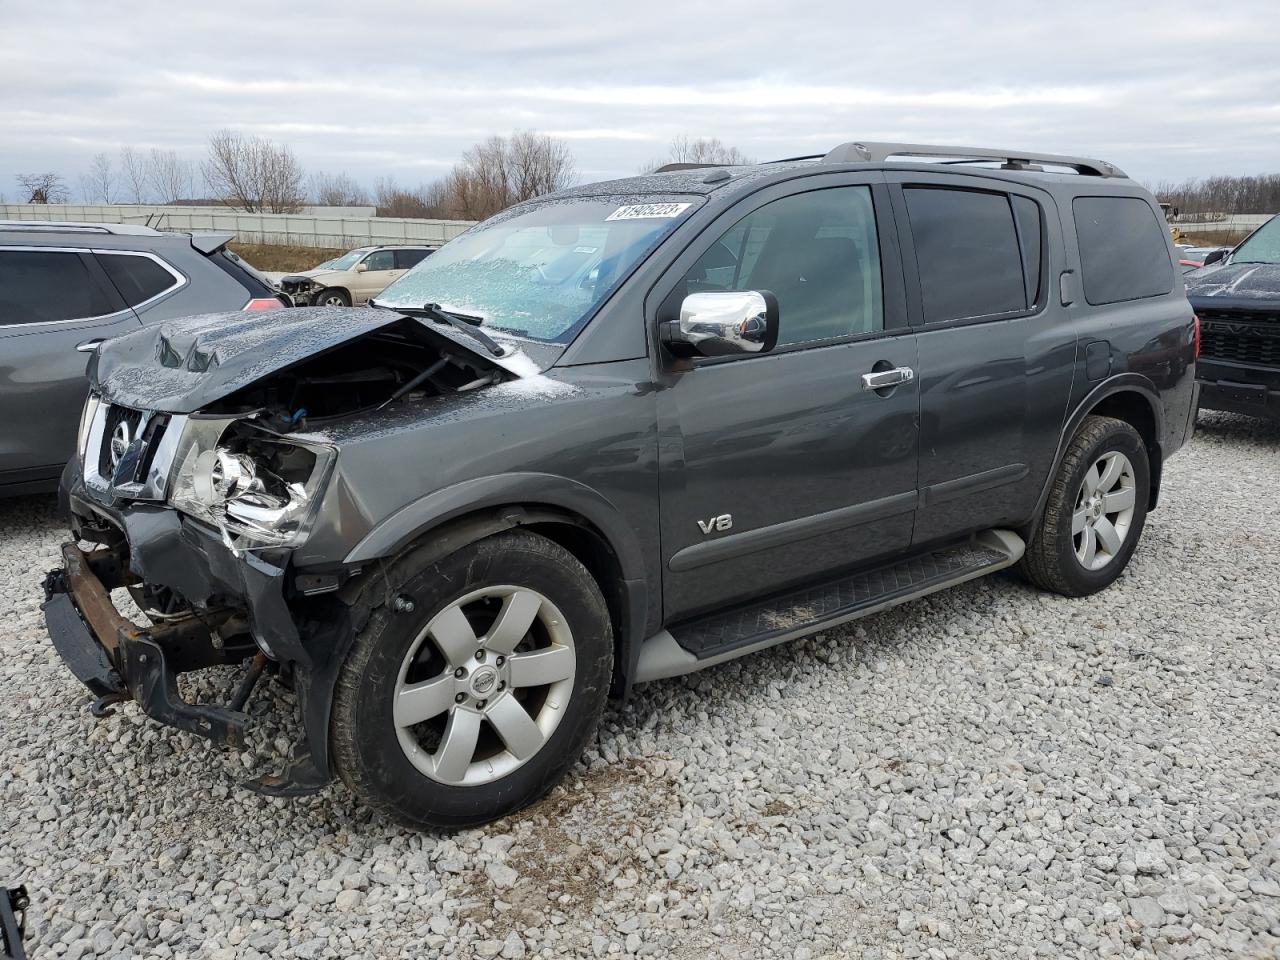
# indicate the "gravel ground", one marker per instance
pixel 990 772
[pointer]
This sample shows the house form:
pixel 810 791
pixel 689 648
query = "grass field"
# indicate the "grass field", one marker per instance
pixel 275 257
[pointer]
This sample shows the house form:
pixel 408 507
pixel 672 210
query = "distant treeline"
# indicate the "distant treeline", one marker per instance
pixel 1260 194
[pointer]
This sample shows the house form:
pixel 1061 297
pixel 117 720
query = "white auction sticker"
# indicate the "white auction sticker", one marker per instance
pixel 643 211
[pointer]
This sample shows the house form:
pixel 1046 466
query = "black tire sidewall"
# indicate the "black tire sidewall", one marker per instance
pixel 1118 437
pixel 401 788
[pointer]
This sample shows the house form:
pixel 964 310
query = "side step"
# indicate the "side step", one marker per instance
pixel 723 636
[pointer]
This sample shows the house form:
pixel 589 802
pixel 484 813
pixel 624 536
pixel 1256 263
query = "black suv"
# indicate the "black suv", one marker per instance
pixel 619 433
pixel 1237 297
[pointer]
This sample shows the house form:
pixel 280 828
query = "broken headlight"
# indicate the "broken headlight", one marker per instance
pixel 257 488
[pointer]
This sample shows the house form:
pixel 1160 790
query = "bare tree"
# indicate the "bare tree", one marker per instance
pixel 43 188
pixel 99 184
pixel 253 174
pixel 336 190
pixel 1223 194
pixel 171 177
pixel 133 175
pixel 501 171
pixel 700 150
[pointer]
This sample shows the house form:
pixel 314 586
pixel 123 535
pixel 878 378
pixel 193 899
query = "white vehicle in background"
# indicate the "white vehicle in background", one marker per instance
pixel 353 278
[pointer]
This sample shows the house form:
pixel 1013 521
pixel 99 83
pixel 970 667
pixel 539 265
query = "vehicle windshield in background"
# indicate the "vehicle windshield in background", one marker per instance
pixel 346 261
pixel 1262 247
pixel 541 271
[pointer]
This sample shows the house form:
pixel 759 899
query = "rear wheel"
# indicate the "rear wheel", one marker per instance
pixel 472 690
pixel 1096 511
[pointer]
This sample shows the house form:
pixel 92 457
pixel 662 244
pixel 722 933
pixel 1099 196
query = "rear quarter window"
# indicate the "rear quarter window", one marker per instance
pixel 1124 254
pixel 138 279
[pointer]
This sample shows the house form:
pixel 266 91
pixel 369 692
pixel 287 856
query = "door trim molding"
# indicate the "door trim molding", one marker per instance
pixel 780 534
pixel 973 483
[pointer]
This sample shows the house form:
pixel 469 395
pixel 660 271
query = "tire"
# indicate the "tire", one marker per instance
pixel 331 297
pixel 409 659
pixel 1059 558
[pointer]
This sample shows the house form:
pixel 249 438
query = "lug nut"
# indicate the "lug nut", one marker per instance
pixel 460 672
pixel 460 698
pixel 502 685
pixel 479 654
pixel 501 661
pixel 480 703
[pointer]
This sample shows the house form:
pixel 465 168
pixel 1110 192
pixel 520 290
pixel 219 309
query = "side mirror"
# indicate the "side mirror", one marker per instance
pixel 362 267
pixel 723 323
pixel 1215 256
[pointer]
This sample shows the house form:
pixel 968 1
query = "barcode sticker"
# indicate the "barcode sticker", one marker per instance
pixel 646 211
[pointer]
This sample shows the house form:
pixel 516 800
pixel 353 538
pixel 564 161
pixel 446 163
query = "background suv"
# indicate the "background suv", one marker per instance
pixel 352 278
pixel 66 287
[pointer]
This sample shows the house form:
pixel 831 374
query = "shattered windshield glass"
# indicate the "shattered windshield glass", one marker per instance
pixel 540 271
pixel 1262 247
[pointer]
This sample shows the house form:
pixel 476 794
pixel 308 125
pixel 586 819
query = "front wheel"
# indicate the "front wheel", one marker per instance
pixel 332 298
pixel 476 684
pixel 1095 513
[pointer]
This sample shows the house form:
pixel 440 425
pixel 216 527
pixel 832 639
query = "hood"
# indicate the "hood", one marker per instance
pixel 1247 285
pixel 314 274
pixel 183 365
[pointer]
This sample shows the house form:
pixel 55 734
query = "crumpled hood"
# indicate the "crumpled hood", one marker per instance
pixel 314 274
pixel 180 366
pixel 1235 281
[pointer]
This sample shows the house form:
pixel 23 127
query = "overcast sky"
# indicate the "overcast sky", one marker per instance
pixel 391 88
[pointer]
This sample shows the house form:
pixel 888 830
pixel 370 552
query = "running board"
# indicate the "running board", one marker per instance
pixel 724 636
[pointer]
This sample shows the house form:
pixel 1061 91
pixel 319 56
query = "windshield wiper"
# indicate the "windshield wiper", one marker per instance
pixel 461 322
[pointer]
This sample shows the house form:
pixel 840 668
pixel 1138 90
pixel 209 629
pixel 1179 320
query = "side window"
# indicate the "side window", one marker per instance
pixel 43 287
pixel 817 252
pixel 409 258
pixel 380 260
pixel 1027 212
pixel 967 253
pixel 137 278
pixel 1124 250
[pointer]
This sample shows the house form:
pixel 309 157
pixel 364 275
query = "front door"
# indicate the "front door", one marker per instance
pixel 54 304
pixel 785 467
pixel 378 270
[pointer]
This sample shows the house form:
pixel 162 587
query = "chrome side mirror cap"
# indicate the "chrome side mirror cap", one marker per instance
pixel 723 323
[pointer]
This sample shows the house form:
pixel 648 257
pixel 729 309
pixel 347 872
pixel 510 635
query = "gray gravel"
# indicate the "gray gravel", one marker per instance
pixel 991 772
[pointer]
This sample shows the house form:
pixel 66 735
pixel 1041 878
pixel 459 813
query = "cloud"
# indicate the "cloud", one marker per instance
pixel 401 88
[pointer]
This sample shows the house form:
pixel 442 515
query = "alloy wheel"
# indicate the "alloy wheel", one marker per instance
pixel 1104 510
pixel 484 685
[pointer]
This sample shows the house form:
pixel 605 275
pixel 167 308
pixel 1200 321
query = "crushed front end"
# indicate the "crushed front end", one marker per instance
pixel 203 465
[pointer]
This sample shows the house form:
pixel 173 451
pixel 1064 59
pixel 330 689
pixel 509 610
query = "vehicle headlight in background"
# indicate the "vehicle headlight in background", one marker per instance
pixel 86 423
pixel 257 488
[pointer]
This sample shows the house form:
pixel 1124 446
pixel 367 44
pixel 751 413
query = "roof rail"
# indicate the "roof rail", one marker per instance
pixel 54 226
pixel 872 152
pixel 673 167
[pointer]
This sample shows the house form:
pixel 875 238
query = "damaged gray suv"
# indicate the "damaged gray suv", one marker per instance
pixel 616 434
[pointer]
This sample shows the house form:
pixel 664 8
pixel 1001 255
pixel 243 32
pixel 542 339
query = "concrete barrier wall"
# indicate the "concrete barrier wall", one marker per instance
pixel 319 228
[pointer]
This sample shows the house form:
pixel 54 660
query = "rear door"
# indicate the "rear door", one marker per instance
pixel 55 303
pixel 996 346
pixel 781 468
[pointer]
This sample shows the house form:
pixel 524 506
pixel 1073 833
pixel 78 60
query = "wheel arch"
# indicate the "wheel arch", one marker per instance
pixel 1128 397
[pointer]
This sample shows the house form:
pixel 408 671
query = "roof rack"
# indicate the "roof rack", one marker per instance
pixel 673 167
pixel 54 226
pixel 872 152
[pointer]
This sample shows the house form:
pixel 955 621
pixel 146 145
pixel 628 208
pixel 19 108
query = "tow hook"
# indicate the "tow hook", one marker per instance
pixel 102 706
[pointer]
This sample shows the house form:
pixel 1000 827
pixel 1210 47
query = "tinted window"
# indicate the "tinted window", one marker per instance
pixel 967 251
pixel 380 260
pixel 1124 250
pixel 409 258
pixel 137 278
pixel 1027 212
pixel 817 252
pixel 38 287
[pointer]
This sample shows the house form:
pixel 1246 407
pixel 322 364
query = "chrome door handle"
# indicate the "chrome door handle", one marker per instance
pixel 89 345
pixel 887 378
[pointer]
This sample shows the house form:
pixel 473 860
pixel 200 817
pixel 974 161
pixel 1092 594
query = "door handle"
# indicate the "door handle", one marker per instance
pixel 887 378
pixel 89 345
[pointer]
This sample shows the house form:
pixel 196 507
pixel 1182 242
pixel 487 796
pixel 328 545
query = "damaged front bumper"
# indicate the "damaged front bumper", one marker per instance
pixel 238 613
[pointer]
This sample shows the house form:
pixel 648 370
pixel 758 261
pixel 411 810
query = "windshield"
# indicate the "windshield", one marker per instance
pixel 1262 247
pixel 540 271
pixel 346 261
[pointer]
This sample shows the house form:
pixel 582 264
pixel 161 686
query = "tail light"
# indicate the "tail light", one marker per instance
pixel 1196 317
pixel 262 303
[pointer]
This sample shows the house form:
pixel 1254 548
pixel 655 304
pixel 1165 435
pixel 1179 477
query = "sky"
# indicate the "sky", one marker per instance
pixel 400 89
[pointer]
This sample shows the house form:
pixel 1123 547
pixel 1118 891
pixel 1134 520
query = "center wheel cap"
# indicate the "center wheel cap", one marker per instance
pixel 484 680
